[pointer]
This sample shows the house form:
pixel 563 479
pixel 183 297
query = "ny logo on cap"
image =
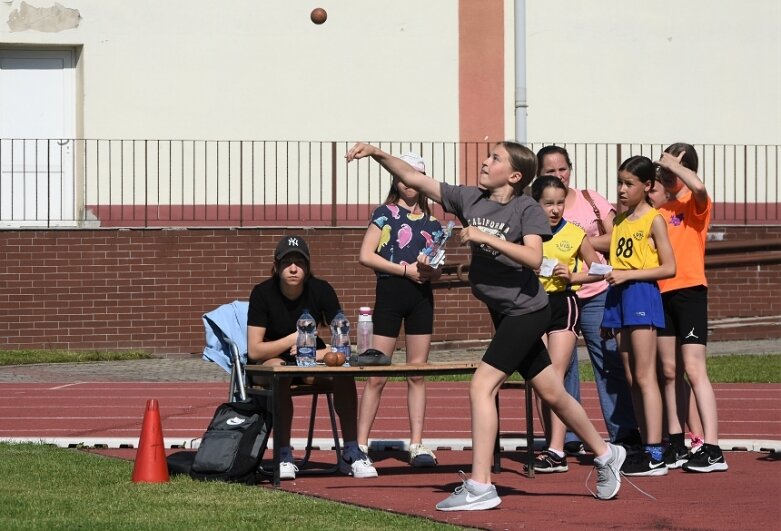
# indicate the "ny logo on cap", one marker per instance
pixel 293 242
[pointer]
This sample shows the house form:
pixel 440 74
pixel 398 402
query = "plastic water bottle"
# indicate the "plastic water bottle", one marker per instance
pixel 365 329
pixel 340 336
pixel 306 342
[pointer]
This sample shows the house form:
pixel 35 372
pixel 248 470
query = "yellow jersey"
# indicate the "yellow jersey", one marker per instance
pixel 564 247
pixel 630 244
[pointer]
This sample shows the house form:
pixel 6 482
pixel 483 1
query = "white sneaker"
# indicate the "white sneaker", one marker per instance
pixel 287 470
pixel 357 465
pixel 464 499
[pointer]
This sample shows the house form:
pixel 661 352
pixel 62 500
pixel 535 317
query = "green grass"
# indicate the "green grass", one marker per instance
pixel 732 368
pixel 44 487
pixel 25 357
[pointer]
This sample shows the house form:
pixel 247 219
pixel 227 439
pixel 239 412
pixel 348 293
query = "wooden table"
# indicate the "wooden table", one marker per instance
pixel 276 372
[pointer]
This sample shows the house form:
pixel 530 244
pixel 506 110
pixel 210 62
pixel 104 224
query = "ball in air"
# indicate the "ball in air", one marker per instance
pixel 318 15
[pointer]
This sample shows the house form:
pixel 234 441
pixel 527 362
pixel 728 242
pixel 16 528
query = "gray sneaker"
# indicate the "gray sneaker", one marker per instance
pixel 609 475
pixel 464 499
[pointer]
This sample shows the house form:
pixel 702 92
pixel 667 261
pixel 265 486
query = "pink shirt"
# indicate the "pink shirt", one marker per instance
pixel 582 215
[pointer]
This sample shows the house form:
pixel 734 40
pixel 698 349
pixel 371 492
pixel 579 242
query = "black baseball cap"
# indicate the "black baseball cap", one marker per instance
pixel 291 244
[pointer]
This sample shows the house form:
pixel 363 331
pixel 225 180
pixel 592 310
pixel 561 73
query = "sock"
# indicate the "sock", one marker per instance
pixel 655 450
pixel 601 460
pixel 478 488
pixel 286 454
pixel 559 453
pixel 696 440
pixel 677 441
pixel 352 451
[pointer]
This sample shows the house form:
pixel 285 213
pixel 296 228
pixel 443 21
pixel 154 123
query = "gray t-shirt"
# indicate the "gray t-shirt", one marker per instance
pixel 504 285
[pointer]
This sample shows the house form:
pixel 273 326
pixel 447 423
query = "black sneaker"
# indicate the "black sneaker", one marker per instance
pixel 574 448
pixel 548 462
pixel 642 464
pixel 708 459
pixel 674 457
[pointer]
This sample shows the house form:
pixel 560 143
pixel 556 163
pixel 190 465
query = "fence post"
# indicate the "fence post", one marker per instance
pixel 333 184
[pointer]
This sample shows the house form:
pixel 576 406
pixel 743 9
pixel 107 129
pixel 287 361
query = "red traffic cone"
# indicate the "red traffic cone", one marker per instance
pixel 151 466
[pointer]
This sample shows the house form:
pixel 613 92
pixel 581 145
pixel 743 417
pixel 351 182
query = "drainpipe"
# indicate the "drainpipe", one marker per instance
pixel 520 71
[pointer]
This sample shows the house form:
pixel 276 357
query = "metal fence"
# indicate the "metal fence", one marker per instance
pixel 94 183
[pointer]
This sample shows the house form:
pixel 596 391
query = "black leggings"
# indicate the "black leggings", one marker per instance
pixel 517 344
pixel 400 299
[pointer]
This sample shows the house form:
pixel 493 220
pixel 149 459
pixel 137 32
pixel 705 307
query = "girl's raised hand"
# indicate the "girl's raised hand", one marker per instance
pixel 359 151
pixel 668 161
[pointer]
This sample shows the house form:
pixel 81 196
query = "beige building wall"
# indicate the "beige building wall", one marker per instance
pixel 247 69
pixel 699 71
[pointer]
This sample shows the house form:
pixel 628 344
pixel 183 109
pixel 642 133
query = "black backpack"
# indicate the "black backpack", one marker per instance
pixel 234 443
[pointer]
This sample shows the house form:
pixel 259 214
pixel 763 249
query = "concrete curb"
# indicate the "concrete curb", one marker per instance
pixel 325 444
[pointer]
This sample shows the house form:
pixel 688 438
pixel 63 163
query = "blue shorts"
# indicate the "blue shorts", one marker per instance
pixel 636 303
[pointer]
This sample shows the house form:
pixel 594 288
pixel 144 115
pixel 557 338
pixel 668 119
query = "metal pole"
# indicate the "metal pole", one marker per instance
pixel 520 71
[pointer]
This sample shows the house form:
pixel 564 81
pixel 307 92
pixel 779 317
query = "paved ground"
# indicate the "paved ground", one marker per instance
pixel 196 370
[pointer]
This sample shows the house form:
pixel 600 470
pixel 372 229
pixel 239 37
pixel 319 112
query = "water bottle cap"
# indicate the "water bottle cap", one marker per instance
pixel 365 310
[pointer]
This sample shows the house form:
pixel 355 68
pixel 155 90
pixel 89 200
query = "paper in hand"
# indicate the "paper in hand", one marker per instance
pixel 546 269
pixel 599 269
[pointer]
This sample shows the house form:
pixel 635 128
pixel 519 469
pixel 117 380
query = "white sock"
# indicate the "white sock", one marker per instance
pixel 559 453
pixel 604 458
pixel 478 488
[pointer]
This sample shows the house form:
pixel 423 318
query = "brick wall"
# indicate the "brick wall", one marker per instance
pixel 147 289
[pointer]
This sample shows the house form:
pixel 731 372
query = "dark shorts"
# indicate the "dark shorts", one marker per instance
pixel 565 312
pixel 635 303
pixel 517 344
pixel 398 299
pixel 686 315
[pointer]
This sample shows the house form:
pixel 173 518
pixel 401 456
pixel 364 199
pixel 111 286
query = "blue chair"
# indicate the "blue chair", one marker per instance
pixel 226 345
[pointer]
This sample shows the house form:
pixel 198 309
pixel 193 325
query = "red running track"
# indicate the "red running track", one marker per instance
pixel 114 410
pixel 745 497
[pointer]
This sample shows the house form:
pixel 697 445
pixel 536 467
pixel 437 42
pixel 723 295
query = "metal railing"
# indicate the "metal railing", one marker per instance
pixel 105 183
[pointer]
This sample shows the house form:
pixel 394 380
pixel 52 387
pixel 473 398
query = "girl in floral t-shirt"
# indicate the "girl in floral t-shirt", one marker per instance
pixel 399 230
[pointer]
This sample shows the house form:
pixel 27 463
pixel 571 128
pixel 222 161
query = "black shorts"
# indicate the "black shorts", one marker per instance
pixel 400 299
pixel 565 312
pixel 686 315
pixel 517 344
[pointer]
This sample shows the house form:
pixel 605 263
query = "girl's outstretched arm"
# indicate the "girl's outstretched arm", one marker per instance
pixel 406 173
